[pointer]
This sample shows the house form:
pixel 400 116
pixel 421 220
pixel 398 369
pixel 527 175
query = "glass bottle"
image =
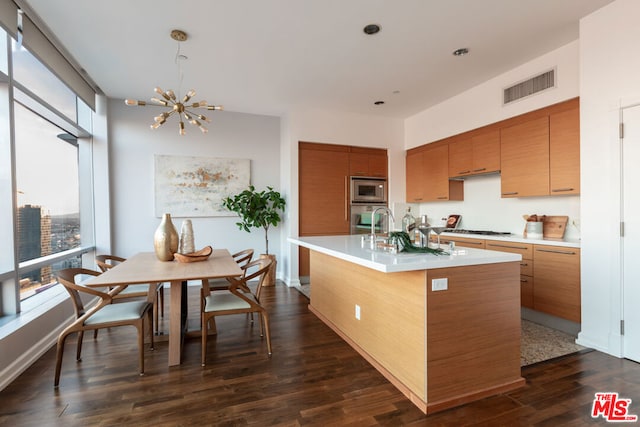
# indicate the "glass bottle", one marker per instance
pixel 409 225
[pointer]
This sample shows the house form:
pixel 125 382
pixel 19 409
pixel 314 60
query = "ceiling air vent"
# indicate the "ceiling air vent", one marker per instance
pixel 529 87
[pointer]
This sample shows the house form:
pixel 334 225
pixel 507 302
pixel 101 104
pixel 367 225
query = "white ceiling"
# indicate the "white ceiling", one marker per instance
pixel 271 56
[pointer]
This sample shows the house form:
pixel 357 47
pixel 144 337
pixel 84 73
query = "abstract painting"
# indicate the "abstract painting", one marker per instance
pixel 195 186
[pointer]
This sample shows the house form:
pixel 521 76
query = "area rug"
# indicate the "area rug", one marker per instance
pixel 539 343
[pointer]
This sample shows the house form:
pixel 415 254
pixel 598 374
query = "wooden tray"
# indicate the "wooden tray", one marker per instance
pixel 200 255
pixel 554 226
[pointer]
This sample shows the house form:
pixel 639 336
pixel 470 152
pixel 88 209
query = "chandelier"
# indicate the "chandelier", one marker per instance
pixel 176 104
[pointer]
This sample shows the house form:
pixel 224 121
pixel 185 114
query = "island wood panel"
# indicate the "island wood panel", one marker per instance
pixel 391 329
pixel 564 151
pixel 466 348
pixel 473 332
pixel 524 159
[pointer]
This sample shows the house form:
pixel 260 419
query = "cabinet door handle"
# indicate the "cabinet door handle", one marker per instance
pixel 552 251
pixel 560 190
pixel 480 169
pixel 524 281
pixel 510 193
pixel 507 246
pixel 463 172
pixel 523 264
pixel 346 198
pixel 474 243
pixel 442 197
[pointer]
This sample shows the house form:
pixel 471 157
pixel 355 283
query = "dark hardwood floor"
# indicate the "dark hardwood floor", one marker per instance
pixel 313 378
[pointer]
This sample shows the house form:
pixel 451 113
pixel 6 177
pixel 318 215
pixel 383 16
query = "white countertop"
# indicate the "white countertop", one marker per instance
pixel 571 243
pixel 349 248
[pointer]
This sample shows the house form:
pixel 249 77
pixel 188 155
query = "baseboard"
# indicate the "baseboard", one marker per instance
pixel 553 322
pixel 18 366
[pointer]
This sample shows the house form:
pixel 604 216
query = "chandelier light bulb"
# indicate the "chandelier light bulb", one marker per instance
pixel 181 127
pixel 134 102
pixel 160 101
pixel 171 95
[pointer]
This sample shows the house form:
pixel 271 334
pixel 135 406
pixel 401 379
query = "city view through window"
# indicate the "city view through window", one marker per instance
pixel 48 197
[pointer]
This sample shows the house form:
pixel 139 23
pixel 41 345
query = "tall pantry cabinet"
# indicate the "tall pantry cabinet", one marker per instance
pixel 324 172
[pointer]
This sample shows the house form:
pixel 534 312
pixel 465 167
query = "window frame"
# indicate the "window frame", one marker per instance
pixel 10 303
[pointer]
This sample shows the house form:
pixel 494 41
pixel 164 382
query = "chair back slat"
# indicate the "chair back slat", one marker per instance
pixel 106 262
pixel 67 278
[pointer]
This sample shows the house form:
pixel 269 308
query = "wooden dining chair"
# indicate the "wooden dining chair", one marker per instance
pixel 235 300
pixel 242 258
pixel 105 262
pixel 101 315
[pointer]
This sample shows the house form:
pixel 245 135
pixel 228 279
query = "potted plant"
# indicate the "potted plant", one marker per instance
pixel 258 209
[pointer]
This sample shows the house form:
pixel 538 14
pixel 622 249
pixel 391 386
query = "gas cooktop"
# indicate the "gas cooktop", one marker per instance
pixel 482 232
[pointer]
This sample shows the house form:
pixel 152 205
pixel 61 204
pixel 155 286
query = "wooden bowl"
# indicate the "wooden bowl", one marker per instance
pixel 196 256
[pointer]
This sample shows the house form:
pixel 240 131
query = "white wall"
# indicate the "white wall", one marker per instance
pixel 609 79
pixel 132 150
pixel 338 128
pixel 483 208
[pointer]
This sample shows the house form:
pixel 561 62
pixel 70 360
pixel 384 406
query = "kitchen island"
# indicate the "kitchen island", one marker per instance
pixel 444 329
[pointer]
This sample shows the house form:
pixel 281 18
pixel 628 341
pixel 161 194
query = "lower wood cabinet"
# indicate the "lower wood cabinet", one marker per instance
pixel 549 277
pixel 557 287
pixel 461 241
pixel 526 267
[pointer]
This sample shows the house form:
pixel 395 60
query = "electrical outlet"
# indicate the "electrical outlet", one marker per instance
pixel 439 284
pixel 357 312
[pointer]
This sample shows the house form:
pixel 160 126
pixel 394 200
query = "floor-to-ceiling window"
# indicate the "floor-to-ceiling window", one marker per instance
pixel 45 131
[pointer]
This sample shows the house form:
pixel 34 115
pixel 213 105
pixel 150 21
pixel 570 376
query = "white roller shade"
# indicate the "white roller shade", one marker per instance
pixel 46 52
pixel 9 17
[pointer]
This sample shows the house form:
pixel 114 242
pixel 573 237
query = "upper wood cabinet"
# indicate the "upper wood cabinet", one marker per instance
pixel 323 189
pixel 564 152
pixel 524 157
pixel 368 162
pixel 540 153
pixel 475 154
pixel 427 174
pixel 415 176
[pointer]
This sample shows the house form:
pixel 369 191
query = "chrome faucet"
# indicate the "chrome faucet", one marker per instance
pixel 390 217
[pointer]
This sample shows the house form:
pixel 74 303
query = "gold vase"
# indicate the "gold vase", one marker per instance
pixel 165 239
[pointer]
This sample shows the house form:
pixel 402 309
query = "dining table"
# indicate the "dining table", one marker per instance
pixel 145 267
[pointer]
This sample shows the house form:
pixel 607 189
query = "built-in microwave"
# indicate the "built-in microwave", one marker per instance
pixel 368 190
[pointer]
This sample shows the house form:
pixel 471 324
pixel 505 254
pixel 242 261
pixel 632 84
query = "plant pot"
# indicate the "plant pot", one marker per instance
pixel 270 279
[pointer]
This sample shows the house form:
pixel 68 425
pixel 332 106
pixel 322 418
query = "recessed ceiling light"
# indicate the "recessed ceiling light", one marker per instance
pixel 379 102
pixel 460 52
pixel 371 29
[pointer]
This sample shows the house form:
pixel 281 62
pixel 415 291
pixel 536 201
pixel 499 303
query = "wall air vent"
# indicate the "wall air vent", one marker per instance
pixel 529 87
